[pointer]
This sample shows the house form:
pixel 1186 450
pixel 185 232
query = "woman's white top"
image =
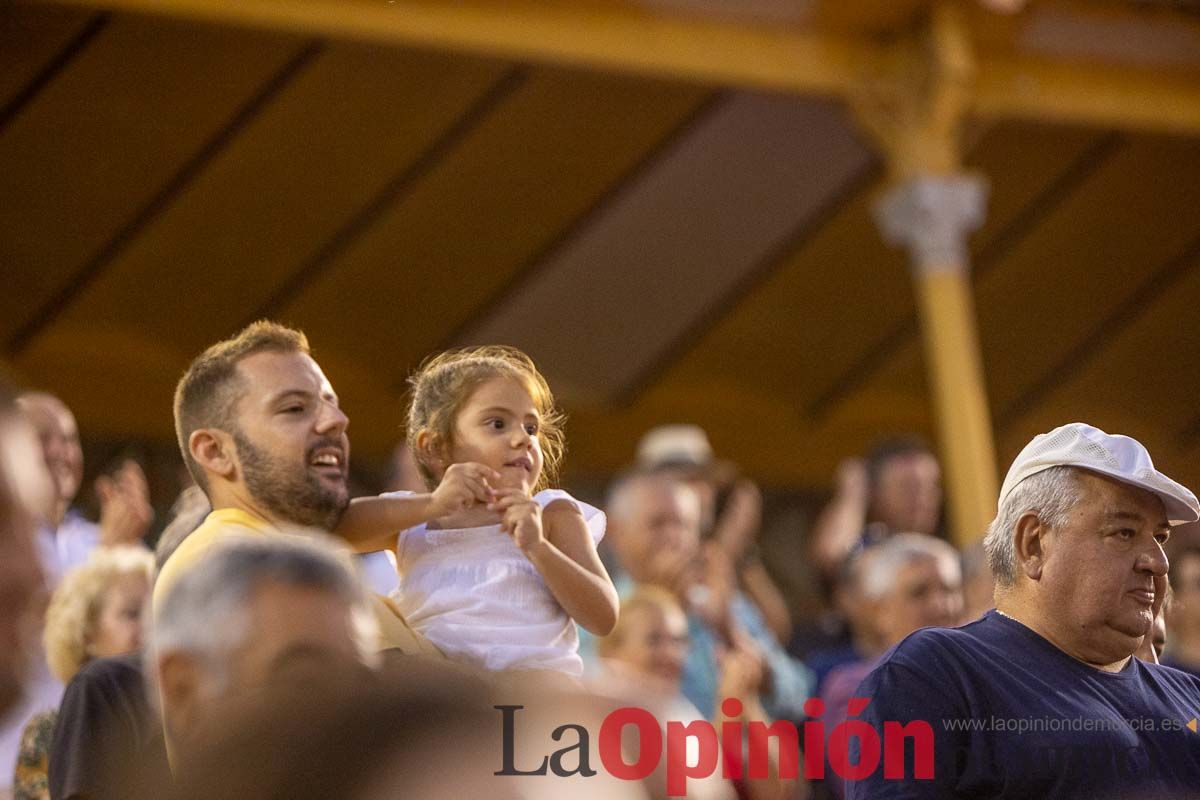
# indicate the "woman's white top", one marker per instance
pixel 474 594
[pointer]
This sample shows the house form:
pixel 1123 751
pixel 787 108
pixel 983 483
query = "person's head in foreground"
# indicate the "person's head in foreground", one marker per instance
pixel 252 614
pixel 1077 544
pixel 96 611
pixel 27 494
pixel 487 405
pixel 259 427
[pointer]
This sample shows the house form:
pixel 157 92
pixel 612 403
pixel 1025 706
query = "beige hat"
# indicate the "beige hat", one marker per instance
pixel 1120 457
pixel 683 447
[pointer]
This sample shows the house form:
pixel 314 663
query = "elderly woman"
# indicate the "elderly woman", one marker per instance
pixel 95 612
pixel 643 662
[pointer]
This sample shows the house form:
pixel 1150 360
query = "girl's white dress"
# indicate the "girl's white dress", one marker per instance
pixel 474 594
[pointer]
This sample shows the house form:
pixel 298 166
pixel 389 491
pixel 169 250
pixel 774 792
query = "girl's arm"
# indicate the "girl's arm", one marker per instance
pixel 559 544
pixel 372 523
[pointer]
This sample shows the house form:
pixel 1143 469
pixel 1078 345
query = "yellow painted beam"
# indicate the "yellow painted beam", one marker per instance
pixel 1100 95
pixel 956 377
pixel 778 57
pixel 618 38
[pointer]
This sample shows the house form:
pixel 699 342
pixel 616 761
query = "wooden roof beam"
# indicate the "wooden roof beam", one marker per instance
pixel 773 57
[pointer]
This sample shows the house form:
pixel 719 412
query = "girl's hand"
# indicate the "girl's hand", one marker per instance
pixel 463 485
pixel 521 518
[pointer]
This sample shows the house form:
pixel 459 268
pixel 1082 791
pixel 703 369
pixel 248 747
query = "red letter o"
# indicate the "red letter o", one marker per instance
pixel 649 743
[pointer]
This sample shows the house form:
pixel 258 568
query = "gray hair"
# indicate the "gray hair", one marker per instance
pixel 1050 494
pixel 206 612
pixel 878 567
pixel 620 499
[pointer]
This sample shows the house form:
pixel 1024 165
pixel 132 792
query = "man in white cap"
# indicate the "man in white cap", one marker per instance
pixel 1042 697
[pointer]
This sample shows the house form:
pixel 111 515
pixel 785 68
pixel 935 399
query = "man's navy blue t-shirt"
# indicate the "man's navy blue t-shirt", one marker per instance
pixel 1015 717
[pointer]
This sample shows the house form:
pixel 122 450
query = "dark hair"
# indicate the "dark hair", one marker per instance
pixel 884 450
pixel 207 393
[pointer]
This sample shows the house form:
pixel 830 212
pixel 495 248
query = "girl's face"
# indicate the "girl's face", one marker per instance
pixel 655 643
pixel 119 625
pixel 498 427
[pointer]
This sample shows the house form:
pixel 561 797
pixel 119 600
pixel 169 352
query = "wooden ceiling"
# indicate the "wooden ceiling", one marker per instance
pixel 668 250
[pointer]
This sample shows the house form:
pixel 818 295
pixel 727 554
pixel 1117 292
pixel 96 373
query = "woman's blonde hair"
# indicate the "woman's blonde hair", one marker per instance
pixel 443 385
pixel 646 597
pixel 76 604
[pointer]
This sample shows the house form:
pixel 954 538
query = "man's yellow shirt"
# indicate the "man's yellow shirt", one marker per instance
pixel 224 524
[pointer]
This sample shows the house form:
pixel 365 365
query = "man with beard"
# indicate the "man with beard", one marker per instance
pixel 261 432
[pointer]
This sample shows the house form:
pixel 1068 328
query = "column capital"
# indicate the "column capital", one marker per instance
pixel 933 216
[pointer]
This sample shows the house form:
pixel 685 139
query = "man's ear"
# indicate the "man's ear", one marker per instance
pixel 179 686
pixel 214 451
pixel 1029 544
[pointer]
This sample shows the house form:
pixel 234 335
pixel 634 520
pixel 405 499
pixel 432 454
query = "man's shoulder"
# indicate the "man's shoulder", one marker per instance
pixel 218 526
pixel 966 643
pixel 1184 682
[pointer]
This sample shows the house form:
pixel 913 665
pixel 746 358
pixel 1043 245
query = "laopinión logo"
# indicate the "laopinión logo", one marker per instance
pixel 750 742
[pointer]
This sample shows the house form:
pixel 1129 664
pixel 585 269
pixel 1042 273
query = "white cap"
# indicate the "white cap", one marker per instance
pixel 675 445
pixel 1120 457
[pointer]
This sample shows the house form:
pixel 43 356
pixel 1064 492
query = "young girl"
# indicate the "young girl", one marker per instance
pixel 494 565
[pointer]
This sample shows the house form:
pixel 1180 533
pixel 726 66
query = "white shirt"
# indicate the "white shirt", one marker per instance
pixel 69 546
pixel 474 594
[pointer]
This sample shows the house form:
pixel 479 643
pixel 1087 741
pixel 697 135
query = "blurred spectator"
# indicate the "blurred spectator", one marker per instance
pixel 105 725
pixel 978 585
pixel 654 531
pixel 730 511
pixel 67 538
pixel 187 513
pixel 644 658
pixel 896 489
pixel 26 492
pixel 95 612
pixel 1183 615
pixel 27 495
pixel 249 613
pixel 910 581
pixel 1155 642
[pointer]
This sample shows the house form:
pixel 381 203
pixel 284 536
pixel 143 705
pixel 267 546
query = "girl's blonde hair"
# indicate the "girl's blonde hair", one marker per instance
pixel 76 604
pixel 443 384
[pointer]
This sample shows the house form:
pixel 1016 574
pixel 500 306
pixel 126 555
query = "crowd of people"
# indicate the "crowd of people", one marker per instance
pixel 479 630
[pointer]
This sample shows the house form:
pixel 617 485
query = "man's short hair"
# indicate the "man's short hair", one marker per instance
pixel 1050 494
pixel 207 394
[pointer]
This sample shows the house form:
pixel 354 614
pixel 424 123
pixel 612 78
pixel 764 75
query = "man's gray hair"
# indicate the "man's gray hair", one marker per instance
pixel 207 612
pixel 879 566
pixel 1051 494
pixel 618 504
